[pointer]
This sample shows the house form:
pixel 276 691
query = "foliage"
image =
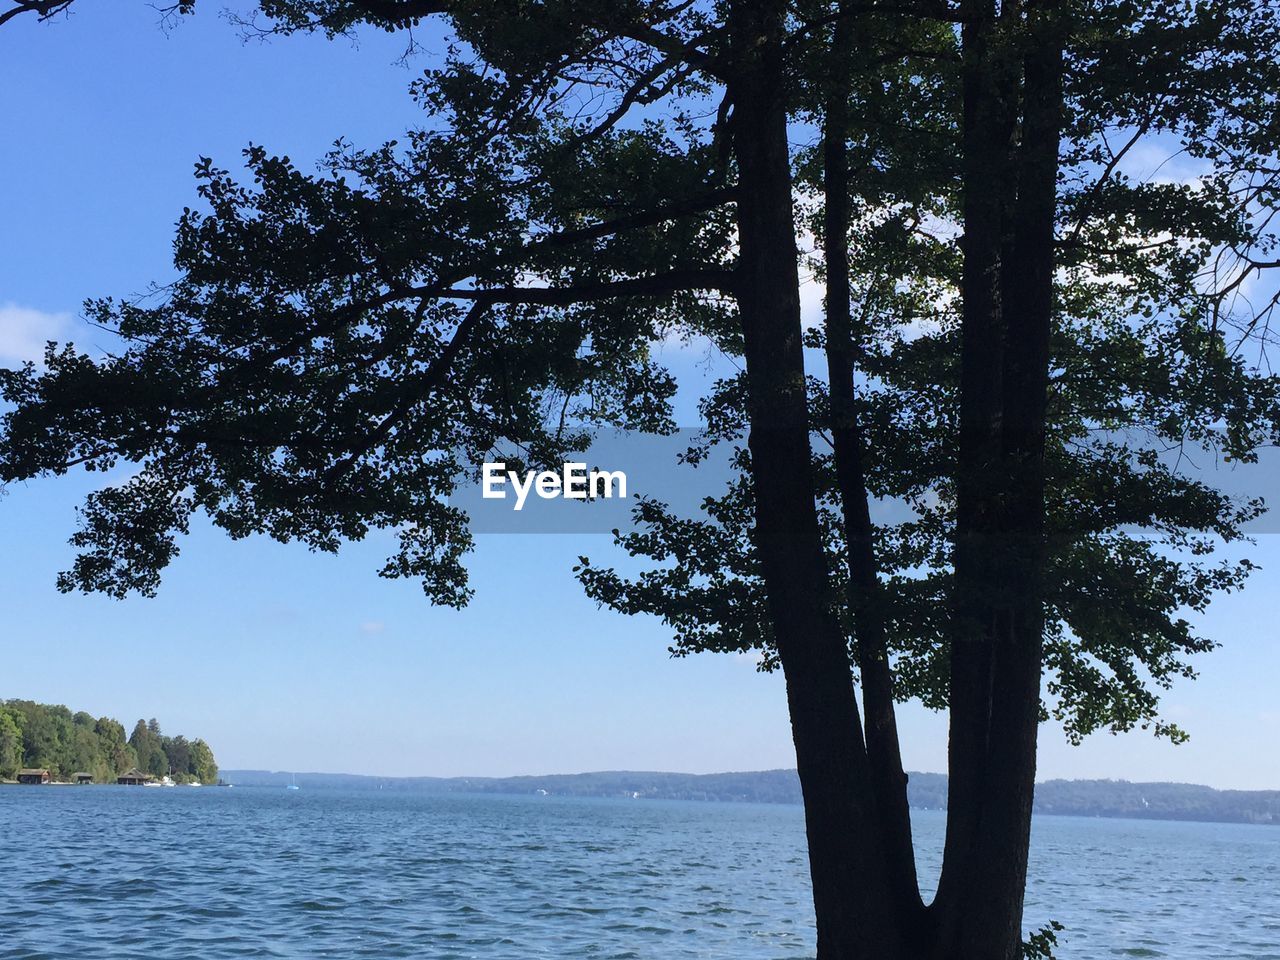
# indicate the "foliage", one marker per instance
pixel 1040 945
pixel 51 736
pixel 318 372
pixel 326 365
pixel 1156 362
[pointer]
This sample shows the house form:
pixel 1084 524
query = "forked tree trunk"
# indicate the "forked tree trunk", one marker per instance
pixel 855 812
pixel 997 640
pixel 851 900
pixel 988 125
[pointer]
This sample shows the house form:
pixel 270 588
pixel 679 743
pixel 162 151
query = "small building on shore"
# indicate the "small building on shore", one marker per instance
pixel 134 778
pixel 80 779
pixel 33 775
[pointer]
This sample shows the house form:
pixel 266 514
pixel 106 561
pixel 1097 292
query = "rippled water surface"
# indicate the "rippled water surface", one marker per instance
pixel 116 872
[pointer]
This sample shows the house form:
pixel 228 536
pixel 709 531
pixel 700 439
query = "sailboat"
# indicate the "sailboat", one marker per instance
pixel 293 782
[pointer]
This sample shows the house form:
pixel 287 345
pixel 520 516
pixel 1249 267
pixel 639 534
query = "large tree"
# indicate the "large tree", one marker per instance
pixel 1005 312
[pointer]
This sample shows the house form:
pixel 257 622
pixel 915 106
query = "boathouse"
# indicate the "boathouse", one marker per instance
pixel 33 776
pixel 82 778
pixel 134 778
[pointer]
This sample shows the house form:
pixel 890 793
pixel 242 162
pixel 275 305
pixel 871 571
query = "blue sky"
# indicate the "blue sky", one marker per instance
pixel 284 659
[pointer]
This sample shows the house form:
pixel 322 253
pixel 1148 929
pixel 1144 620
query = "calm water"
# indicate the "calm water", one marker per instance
pixel 116 872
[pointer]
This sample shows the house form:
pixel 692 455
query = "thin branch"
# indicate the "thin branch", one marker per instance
pixel 44 9
pixel 675 281
pixel 673 46
pixel 674 210
pixel 419 388
pixel 449 277
pixel 1086 204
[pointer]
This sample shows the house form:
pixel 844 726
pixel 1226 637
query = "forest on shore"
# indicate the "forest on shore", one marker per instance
pixel 51 736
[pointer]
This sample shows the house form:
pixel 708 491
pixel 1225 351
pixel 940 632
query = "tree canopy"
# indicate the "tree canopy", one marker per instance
pixel 342 348
pixel 1024 327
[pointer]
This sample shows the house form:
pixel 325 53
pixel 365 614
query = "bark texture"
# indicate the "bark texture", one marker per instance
pixel 996 650
pixel 851 899
pixel 843 341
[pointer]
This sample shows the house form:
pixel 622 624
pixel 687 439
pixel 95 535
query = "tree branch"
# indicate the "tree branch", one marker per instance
pixel 652 286
pixel 418 388
pixel 673 46
pixel 645 218
pixel 44 9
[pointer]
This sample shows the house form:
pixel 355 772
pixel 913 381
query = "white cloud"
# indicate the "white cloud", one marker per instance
pixel 372 626
pixel 24 332
pixel 1160 161
pixel 812 294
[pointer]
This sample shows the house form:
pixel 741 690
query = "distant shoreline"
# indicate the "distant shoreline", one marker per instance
pixel 1115 799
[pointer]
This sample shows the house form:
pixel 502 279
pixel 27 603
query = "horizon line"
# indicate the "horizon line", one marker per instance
pixel 719 773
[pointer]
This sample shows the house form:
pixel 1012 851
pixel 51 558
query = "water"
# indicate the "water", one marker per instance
pixel 119 872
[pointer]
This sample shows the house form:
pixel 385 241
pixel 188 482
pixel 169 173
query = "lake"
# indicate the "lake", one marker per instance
pixel 120 872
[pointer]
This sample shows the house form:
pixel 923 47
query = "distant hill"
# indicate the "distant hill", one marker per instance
pixel 1082 798
pixel 1157 801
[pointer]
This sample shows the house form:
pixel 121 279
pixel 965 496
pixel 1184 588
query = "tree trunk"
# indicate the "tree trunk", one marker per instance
pixel 996 650
pixel 851 900
pixel 888 779
pixel 988 129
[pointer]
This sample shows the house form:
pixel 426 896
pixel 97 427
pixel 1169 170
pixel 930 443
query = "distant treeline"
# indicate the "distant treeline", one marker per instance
pixel 1085 798
pixel 1157 801
pixel 50 736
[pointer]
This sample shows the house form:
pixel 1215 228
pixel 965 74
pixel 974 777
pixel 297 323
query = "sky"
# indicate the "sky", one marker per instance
pixel 283 659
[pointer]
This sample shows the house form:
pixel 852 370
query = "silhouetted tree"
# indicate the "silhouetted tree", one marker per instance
pixel 1003 304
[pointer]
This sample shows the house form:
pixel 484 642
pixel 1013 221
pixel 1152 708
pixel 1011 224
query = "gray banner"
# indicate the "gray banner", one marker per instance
pixel 620 466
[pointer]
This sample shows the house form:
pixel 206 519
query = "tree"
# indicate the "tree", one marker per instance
pixel 341 349
pixel 47 734
pixel 84 754
pixel 10 743
pixel 202 765
pixel 115 748
pixel 177 751
pixel 1026 522
pixel 146 747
